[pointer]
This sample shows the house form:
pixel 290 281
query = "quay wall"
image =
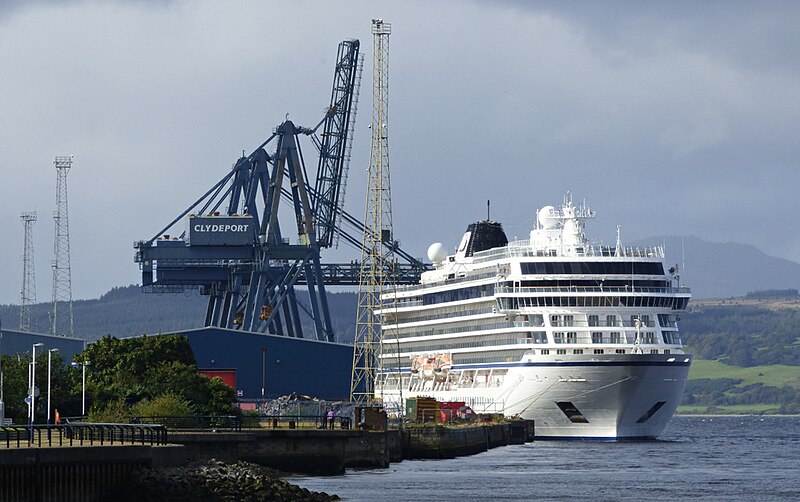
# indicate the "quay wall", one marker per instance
pixel 85 473
pixel 75 473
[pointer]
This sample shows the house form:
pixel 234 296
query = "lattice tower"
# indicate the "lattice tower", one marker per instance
pixel 61 321
pixel 27 295
pixel 377 260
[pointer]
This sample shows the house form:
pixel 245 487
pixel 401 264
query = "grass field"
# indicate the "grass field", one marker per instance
pixel 739 409
pixel 775 375
pixel 769 303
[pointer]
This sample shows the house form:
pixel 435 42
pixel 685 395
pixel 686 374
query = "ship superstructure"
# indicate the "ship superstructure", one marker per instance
pixel 579 336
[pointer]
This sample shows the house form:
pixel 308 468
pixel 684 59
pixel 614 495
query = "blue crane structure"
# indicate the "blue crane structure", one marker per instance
pixel 234 249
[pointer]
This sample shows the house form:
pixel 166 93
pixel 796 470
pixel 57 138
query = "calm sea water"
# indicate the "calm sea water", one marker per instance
pixel 709 458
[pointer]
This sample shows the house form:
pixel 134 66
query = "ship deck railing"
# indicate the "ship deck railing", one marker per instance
pixel 388 301
pixel 523 249
pixel 588 289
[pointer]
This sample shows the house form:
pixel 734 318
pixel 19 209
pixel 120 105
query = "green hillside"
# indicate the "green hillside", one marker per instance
pixel 747 354
pixel 775 375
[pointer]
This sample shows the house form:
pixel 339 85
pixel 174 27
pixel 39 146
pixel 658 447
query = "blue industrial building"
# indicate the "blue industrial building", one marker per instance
pixel 21 342
pixel 285 365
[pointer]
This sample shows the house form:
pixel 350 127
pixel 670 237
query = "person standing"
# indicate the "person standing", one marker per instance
pixel 331 417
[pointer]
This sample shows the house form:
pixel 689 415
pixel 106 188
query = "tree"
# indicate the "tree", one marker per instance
pixel 135 369
pixel 63 384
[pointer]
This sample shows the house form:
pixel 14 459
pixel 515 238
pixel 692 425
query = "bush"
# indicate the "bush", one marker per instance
pixel 165 405
pixel 113 412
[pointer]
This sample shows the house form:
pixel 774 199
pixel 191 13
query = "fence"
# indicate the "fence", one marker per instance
pixel 81 434
pixel 303 422
pixel 194 422
pixel 234 423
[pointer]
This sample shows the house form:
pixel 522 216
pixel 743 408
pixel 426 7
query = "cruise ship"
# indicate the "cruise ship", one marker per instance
pixel 579 336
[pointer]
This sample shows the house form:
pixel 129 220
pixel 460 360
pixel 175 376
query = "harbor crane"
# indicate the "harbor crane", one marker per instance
pixel 234 247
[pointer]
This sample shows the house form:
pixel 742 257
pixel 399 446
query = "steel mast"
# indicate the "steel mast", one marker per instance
pixel 61 321
pixel 378 264
pixel 28 292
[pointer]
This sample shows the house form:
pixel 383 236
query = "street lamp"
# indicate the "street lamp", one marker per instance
pixel 83 399
pixel 2 403
pixel 49 363
pixel 33 382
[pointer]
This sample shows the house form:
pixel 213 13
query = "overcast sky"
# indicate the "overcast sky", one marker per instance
pixel 670 118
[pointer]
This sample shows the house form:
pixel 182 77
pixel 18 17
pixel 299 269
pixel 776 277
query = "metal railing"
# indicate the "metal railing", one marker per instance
pixel 588 289
pixel 523 248
pixel 233 423
pixel 82 434
pixel 193 422
pixel 304 422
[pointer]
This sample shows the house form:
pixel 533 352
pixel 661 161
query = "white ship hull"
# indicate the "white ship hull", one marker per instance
pixel 616 396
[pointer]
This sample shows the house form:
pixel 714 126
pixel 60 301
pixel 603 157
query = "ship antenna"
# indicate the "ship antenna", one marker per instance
pixel 488 210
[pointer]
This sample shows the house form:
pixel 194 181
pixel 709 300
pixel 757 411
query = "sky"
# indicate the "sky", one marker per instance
pixel 669 118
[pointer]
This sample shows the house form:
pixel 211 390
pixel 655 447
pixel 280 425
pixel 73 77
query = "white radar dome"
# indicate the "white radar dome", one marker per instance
pixel 546 217
pixel 437 253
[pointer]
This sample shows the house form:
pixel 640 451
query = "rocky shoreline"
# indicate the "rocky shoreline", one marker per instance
pixel 214 481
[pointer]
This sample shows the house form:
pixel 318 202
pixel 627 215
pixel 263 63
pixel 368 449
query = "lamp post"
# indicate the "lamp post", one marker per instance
pixel 83 386
pixel 33 382
pixel 2 403
pixel 263 374
pixel 49 363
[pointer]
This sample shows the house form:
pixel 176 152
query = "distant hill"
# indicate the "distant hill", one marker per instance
pixel 127 311
pixel 724 270
pixel 123 311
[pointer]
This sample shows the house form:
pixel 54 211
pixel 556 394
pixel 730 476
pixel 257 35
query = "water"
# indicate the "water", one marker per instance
pixel 709 458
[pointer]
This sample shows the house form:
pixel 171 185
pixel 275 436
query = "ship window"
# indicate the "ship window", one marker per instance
pixel 597 337
pixel 536 320
pixel 538 336
pixel 545 352
pixel 620 351
pixel 654 351
pixel 652 411
pixel 572 337
pixel 594 320
pixel 671 337
pixel 561 351
pixel 614 337
pixel 666 351
pixel 649 337
pixel 558 336
pixel 598 351
pixel 577 351
pixel 611 320
pixel 599 268
pixel 572 412
pixel 569 320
